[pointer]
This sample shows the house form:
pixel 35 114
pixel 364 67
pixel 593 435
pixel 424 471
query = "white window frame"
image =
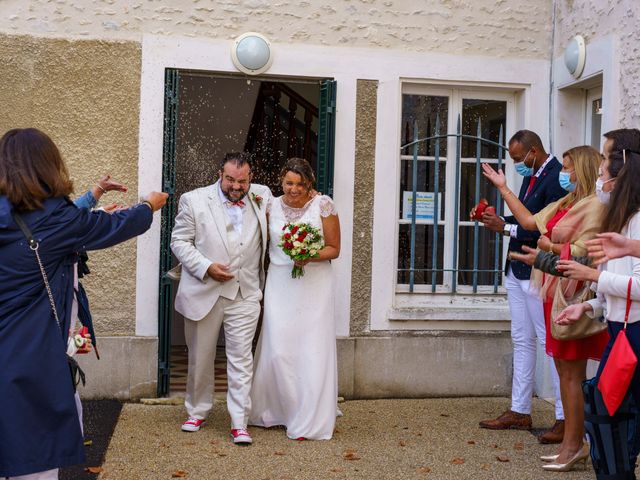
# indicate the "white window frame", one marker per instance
pixel 456 95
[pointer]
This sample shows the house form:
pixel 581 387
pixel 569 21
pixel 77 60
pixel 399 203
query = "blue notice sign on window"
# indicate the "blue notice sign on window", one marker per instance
pixel 425 205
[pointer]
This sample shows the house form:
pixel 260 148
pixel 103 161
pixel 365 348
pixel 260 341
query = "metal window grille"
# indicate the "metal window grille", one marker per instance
pixel 437 137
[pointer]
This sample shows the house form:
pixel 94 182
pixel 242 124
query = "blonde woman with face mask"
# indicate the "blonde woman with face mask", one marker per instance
pixel 621 195
pixel 569 222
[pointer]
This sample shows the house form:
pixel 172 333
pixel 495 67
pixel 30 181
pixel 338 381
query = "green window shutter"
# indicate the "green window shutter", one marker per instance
pixel 326 137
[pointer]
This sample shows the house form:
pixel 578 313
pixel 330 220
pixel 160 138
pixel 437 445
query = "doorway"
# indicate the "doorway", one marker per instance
pixel 208 115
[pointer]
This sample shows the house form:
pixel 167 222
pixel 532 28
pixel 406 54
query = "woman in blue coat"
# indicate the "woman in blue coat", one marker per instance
pixel 39 426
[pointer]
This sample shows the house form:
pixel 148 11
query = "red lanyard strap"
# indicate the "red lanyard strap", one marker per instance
pixel 626 315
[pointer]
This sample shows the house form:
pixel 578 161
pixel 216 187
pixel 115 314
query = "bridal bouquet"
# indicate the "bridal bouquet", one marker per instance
pixel 300 241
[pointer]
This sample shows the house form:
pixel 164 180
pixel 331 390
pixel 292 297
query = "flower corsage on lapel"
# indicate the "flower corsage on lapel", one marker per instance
pixel 257 199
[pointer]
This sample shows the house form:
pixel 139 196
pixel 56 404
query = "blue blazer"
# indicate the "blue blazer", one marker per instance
pixel 39 427
pixel 545 190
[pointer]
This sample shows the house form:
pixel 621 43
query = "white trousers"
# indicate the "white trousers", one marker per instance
pixel 527 325
pixel 240 318
pixel 48 475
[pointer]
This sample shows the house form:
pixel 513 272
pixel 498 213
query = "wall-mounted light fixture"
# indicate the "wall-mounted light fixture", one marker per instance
pixel 251 53
pixel 575 56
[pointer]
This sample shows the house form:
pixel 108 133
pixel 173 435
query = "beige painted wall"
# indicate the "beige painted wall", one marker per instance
pixel 598 18
pixel 85 95
pixel 484 27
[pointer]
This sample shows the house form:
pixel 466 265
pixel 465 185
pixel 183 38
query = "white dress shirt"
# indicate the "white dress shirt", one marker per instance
pixel 234 212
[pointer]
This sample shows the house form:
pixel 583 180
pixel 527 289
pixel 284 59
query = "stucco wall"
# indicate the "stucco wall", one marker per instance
pixel 85 95
pixel 598 18
pixel 485 27
pixel 363 191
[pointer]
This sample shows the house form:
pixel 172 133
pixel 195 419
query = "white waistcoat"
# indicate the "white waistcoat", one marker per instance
pixel 244 254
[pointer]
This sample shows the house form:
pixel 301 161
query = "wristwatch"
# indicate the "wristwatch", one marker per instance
pixel 506 230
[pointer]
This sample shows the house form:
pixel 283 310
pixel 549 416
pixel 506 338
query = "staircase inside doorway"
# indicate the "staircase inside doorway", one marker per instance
pixel 180 363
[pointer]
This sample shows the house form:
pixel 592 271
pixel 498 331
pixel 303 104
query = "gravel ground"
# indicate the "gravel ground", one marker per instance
pixel 375 439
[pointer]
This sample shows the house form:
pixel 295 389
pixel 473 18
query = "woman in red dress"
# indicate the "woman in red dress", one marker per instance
pixel 569 222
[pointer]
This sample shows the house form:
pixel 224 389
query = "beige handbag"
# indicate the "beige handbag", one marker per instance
pixel 586 326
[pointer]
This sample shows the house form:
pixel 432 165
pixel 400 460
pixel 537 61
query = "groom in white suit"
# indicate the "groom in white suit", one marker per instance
pixel 220 237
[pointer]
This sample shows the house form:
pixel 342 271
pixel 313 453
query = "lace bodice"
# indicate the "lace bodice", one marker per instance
pixel 280 214
pixel 293 214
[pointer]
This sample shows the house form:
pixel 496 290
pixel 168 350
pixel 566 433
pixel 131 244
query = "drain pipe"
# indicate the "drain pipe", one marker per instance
pixel 551 83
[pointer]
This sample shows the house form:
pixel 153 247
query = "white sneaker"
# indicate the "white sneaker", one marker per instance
pixel 241 435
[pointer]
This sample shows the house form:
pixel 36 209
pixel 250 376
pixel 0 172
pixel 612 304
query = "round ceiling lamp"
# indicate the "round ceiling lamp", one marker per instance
pixel 575 55
pixel 251 53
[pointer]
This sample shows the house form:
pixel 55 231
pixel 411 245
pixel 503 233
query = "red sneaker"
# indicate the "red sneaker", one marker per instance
pixel 241 436
pixel 192 424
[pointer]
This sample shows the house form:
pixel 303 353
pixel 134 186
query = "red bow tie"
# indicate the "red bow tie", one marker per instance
pixel 239 203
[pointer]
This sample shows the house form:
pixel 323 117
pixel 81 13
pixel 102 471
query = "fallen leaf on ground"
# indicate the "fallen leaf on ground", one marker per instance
pixel 280 452
pixel 518 446
pixel 214 442
pixel 419 434
pixel 457 461
pixel 222 454
pixel 485 466
pixel 350 454
pixel 494 445
pixel 337 470
pixel 189 444
pixel 471 442
pixel 502 458
pixel 423 470
pixel 93 469
pixel 444 415
pixel 179 474
pixel 402 443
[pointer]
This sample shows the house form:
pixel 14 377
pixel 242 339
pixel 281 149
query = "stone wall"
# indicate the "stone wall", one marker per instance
pixel 484 27
pixel 85 95
pixel 598 18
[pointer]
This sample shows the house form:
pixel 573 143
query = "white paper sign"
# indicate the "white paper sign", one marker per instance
pixel 425 203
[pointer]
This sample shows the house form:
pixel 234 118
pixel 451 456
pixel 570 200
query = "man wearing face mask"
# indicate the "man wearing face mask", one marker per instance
pixel 540 187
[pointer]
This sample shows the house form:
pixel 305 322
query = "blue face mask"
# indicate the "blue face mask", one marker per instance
pixel 522 168
pixel 565 181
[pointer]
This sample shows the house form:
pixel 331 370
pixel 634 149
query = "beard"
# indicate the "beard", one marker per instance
pixel 234 194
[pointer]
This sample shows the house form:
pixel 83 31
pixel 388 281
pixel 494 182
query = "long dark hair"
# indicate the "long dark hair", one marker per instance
pixel 31 169
pixel 625 197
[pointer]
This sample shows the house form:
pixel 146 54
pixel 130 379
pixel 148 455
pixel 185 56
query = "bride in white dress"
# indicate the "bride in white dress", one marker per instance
pixel 295 381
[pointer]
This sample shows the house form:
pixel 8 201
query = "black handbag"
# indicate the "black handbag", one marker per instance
pixel 77 374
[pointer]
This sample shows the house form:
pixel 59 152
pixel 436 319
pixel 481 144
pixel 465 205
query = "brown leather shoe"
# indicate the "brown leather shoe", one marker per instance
pixel 554 435
pixel 508 420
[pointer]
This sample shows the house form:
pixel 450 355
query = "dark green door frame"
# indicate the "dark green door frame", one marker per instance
pixel 324 173
pixel 171 88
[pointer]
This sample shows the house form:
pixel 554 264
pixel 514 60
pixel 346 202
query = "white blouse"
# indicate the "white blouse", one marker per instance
pixel 611 290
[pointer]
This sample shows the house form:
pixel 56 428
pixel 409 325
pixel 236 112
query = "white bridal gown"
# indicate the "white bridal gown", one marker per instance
pixel 295 381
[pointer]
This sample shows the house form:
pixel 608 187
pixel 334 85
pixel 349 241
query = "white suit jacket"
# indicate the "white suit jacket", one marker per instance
pixel 199 239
